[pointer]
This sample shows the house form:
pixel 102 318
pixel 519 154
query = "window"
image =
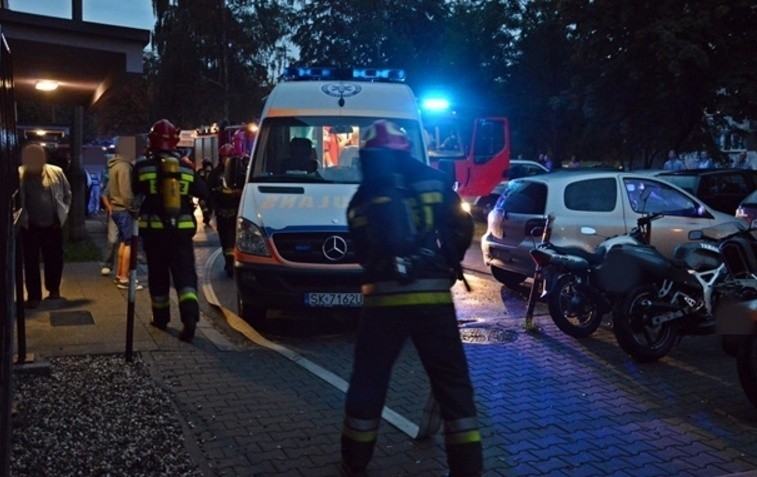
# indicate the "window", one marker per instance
pixel 317 149
pixel 523 197
pixel 594 195
pixel 652 197
pixel 489 140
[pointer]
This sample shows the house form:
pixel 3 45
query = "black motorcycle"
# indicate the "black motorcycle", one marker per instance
pixel 660 299
pixel 575 297
pixel 736 311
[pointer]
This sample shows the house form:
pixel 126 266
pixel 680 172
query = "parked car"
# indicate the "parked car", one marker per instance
pixel 518 168
pixel 721 189
pixel 747 210
pixel 609 202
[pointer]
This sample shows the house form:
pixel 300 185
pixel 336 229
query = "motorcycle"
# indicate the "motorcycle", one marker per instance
pixel 575 297
pixel 736 312
pixel 660 299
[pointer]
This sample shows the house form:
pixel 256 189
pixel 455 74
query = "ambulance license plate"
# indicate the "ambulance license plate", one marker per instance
pixel 333 299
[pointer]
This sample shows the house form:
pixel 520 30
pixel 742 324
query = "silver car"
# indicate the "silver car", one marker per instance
pixel 607 201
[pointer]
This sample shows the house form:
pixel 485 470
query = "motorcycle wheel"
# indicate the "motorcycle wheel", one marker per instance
pixel 644 342
pixel 746 365
pixel 577 323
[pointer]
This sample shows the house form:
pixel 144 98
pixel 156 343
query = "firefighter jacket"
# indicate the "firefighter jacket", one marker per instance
pixel 448 234
pixel 224 200
pixel 147 185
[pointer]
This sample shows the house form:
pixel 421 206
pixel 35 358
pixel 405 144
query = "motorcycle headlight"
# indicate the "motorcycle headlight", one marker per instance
pixel 250 239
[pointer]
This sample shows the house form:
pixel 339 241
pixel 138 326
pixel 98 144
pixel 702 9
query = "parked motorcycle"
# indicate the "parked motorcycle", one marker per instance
pixel 660 299
pixel 575 297
pixel 736 311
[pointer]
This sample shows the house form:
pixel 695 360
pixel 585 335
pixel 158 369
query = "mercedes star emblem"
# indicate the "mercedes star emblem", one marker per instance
pixel 334 248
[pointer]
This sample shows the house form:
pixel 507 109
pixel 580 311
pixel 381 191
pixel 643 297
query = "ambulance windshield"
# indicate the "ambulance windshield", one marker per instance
pixel 317 148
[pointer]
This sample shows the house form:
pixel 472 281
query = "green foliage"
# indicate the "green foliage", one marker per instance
pixel 609 80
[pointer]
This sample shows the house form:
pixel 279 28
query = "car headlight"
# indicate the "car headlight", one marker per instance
pixel 466 206
pixel 250 239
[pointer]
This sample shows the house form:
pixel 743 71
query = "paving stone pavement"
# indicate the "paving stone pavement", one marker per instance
pixel 548 404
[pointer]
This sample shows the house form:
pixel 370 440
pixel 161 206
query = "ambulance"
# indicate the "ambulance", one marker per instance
pixel 293 249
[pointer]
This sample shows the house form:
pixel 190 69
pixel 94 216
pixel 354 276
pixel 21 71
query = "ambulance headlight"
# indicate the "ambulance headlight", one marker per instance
pixel 250 239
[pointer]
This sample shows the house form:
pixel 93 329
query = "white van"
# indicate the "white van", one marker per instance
pixel 293 248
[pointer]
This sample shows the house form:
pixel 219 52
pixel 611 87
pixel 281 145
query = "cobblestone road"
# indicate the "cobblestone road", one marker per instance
pixel 548 404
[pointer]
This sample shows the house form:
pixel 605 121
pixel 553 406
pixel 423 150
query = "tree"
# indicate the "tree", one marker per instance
pixel 648 71
pixel 215 58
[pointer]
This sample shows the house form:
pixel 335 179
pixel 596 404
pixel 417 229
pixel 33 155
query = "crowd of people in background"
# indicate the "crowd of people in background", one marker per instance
pixel 703 160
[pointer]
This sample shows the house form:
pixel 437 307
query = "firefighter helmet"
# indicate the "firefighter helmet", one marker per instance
pixel 163 136
pixel 239 142
pixel 227 150
pixel 383 134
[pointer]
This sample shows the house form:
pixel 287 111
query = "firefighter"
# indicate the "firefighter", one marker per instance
pixel 167 225
pixel 206 167
pixel 413 302
pixel 225 202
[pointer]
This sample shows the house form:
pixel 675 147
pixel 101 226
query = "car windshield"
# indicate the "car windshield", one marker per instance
pixel 317 149
pixel 687 183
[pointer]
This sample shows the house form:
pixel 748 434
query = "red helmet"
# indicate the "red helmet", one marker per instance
pixel 163 136
pixel 239 142
pixel 383 134
pixel 227 150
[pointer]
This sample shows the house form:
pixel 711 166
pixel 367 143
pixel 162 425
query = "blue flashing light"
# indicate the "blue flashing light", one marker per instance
pixel 435 104
pixel 373 74
pixel 293 73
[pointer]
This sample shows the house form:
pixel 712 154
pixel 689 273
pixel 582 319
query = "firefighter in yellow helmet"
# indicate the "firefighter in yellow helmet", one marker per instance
pixel 167 225
pixel 411 260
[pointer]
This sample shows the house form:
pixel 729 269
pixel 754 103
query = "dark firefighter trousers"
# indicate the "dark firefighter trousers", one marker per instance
pixel 226 226
pixel 381 335
pixel 170 257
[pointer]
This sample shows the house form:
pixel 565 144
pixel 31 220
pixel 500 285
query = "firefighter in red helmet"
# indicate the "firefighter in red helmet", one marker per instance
pixel 225 202
pixel 411 258
pixel 167 225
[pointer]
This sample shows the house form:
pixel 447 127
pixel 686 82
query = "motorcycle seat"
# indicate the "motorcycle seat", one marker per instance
pixel 594 258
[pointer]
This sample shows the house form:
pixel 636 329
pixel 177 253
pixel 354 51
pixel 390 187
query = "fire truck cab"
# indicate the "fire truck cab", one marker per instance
pixel 476 161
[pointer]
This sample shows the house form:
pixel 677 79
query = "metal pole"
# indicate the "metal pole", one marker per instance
pixel 533 295
pixel 20 313
pixel 133 250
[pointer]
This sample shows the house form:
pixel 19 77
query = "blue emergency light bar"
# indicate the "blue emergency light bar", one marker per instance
pixel 435 104
pixel 295 73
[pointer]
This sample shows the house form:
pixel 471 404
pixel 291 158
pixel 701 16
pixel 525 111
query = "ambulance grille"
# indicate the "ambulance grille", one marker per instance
pixel 323 247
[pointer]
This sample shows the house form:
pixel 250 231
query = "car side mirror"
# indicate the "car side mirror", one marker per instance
pixel 696 235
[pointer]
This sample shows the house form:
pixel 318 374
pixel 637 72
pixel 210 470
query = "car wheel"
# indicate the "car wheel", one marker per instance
pixel 506 277
pixel 254 315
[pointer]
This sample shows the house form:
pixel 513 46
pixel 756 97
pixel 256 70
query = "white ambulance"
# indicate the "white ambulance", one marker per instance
pixel 293 249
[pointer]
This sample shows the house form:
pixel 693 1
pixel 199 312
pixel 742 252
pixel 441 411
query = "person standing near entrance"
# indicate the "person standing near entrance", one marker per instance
pixel 45 200
pixel 408 296
pixel 123 210
pixel 167 225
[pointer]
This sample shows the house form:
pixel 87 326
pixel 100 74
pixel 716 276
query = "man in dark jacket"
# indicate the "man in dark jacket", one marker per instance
pixel 413 302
